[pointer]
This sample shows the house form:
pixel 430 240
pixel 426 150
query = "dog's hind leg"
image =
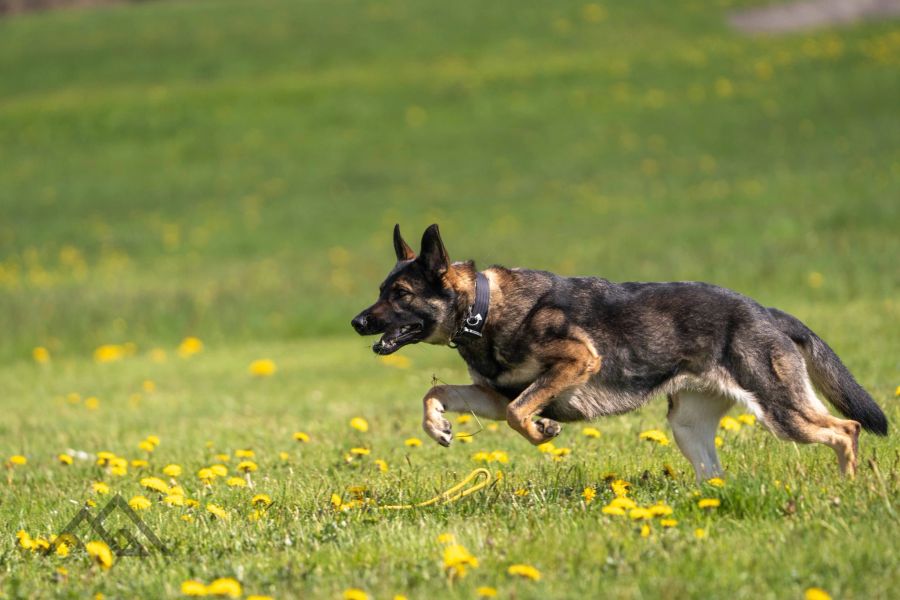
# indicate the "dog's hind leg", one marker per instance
pixel 792 411
pixel 480 400
pixel 694 418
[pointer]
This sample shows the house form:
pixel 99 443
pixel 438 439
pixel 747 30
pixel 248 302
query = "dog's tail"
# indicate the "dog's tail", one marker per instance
pixel 830 376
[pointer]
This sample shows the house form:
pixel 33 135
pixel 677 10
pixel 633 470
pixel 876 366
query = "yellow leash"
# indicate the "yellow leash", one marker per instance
pixel 453 494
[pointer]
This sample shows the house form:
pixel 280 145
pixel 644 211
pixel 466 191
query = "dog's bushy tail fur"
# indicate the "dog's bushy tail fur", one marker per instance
pixel 830 376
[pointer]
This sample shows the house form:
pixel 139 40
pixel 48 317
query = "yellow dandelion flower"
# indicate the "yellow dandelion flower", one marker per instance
pixel 156 484
pixel 709 503
pixel 668 523
pixel 645 530
pixel 639 514
pixel 546 447
pixel 192 587
pixel 225 586
pixel 747 419
pixel 382 465
pixel 217 511
pixel 254 516
pixel 262 367
pixel 219 470
pixel 355 594
pixel 360 451
pixel 100 488
pixel 301 437
pixel 247 466
pixel 815 593
pixel 486 592
pixel 172 470
pixel 492 427
pixel 400 596
pixel 463 419
pixel 235 482
pixel 109 353
pixel 412 442
pixel 118 466
pixel 623 502
pixel 498 456
pixel 588 494
pixel 25 540
pixel 620 487
pixel 173 500
pixel 18 459
pixel 284 456
pixel 655 435
pixel 660 510
pixel 153 439
pixel 62 550
pixel 140 463
pixel 40 355
pixel 526 571
pixel 206 475
pixel 897 392
pixel 699 533
pixel 719 441
pixel 187 518
pixel 359 424
pixel 100 553
pixel 457 560
pixel 591 432
pixel 716 482
pixel 398 361
pixel 146 446
pixel 521 492
pixel 336 501
pixel 189 346
pixel 258 597
pixel 261 500
pixel 444 538
pixel 463 439
pixel 139 503
pixel 729 424
pixel 222 458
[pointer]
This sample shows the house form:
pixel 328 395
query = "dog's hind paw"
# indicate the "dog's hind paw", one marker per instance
pixel 548 428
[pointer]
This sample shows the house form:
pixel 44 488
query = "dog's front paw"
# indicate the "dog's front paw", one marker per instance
pixel 548 428
pixel 435 425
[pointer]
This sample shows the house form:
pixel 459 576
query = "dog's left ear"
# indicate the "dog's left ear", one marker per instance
pixel 434 255
pixel 404 252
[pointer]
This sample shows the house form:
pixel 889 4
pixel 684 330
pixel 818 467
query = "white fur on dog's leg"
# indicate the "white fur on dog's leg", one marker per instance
pixel 694 418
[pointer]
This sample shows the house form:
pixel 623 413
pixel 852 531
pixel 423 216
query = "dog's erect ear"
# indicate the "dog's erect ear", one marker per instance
pixel 433 255
pixel 404 252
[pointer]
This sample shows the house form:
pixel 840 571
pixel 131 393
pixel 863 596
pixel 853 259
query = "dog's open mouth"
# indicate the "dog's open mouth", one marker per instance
pixel 395 339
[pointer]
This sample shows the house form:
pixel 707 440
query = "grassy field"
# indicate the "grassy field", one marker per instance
pixel 231 171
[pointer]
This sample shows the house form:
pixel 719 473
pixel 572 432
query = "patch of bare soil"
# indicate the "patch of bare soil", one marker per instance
pixel 12 7
pixel 812 14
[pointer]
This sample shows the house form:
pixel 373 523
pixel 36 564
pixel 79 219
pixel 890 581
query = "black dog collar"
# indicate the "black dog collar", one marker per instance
pixel 478 312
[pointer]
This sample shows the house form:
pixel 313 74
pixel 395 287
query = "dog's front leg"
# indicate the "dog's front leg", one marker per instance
pixel 481 400
pixel 572 363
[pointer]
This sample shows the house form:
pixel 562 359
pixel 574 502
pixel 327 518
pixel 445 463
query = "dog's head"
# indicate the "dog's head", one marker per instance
pixel 415 301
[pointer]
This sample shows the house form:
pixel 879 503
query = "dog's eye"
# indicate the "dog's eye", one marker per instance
pixel 401 293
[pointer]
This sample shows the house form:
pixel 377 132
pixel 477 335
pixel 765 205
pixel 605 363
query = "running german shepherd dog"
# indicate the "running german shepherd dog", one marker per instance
pixel 541 349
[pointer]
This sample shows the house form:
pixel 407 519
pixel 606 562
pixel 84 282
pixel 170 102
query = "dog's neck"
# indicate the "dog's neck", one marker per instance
pixel 462 277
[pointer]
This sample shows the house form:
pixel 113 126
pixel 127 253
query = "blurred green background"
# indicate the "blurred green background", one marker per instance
pixel 232 169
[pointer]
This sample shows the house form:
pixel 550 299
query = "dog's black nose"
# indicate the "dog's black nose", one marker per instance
pixel 359 323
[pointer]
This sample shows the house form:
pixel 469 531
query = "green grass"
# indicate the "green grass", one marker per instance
pixel 232 170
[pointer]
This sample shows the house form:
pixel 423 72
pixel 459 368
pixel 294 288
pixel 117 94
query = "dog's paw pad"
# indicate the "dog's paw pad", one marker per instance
pixel 548 427
pixel 439 429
